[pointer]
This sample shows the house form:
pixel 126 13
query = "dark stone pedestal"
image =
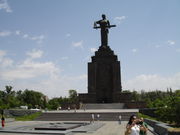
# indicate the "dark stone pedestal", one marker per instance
pixel 104 78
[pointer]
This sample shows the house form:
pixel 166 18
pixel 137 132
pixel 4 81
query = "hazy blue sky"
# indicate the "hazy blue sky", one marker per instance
pixel 45 45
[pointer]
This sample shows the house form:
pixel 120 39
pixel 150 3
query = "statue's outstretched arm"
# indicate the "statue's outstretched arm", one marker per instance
pixel 108 23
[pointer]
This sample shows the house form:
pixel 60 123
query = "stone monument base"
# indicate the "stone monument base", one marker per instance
pixel 92 98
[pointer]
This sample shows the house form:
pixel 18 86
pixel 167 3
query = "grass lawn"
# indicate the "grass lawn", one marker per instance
pixel 28 117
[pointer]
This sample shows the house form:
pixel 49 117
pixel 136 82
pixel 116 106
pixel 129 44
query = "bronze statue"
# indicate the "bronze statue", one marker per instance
pixel 104 25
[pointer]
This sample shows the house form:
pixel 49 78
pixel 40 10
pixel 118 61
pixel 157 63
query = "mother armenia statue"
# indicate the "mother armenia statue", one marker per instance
pixel 104 25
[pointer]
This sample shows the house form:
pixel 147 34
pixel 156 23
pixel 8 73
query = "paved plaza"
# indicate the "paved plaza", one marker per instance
pixel 96 128
pixel 110 128
pixel 107 128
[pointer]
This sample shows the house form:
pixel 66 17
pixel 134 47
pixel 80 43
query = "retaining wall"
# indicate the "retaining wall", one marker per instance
pixel 161 128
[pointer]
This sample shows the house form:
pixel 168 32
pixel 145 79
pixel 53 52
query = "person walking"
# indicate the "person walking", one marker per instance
pixel 92 118
pixel 98 116
pixel 120 119
pixel 2 120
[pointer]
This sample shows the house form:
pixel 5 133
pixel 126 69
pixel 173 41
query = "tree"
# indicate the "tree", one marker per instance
pixel 135 96
pixel 33 99
pixel 9 98
pixel 73 96
pixel 168 107
pixel 8 90
pixel 19 96
pixel 53 103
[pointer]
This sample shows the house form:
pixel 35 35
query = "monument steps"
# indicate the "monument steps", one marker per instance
pixel 84 116
pixel 105 106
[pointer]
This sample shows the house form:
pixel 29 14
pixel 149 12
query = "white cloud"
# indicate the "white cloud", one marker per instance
pixel 26 69
pixel 68 35
pixel 17 32
pixel 134 50
pixel 4 5
pixel 64 58
pixel 178 50
pixel 35 54
pixel 53 83
pixel 59 85
pixel 93 50
pixel 2 53
pixel 119 19
pixel 29 69
pixel 39 39
pixel 5 33
pixel 42 76
pixel 153 82
pixel 55 86
pixel 25 36
pixel 171 42
pixel 78 44
pixel 4 61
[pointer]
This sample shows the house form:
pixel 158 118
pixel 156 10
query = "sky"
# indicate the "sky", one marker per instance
pixel 45 45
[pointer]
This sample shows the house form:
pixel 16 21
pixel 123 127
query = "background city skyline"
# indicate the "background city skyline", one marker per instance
pixel 46 45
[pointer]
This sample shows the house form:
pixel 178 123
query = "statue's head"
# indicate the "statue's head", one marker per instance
pixel 103 16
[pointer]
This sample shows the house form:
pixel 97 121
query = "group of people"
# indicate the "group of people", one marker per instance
pixel 136 126
pixel 93 118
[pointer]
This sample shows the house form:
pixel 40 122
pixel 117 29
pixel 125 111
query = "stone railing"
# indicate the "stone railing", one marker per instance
pixel 161 128
pixel 19 112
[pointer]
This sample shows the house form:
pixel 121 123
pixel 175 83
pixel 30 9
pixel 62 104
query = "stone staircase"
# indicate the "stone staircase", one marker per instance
pixel 84 116
pixel 104 106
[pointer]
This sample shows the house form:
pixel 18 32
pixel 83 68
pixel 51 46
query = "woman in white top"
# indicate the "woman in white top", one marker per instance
pixel 132 128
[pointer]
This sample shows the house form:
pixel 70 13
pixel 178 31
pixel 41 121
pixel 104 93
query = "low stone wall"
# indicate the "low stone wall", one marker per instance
pixel 19 112
pixel 161 128
pixel 152 123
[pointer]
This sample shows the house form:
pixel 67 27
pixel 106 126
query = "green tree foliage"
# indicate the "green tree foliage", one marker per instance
pixel 150 95
pixel 135 96
pixel 166 102
pixel 168 107
pixel 53 103
pixel 65 102
pixel 12 99
pixel 73 96
pixel 33 99
pixel 8 99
